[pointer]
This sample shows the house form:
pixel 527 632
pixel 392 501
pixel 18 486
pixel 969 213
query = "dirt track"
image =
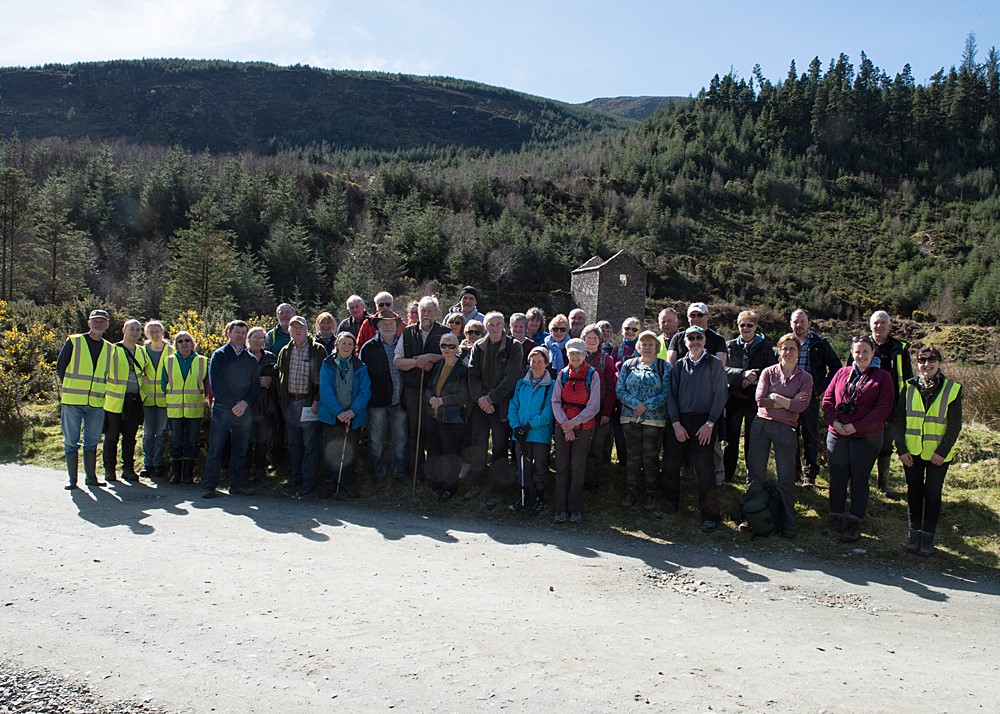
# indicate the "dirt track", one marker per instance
pixel 264 605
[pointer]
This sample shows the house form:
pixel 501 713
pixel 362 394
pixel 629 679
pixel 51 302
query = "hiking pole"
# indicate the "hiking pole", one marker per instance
pixel 420 417
pixel 521 443
pixel 343 453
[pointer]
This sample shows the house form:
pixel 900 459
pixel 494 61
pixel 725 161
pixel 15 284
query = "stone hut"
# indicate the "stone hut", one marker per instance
pixel 611 289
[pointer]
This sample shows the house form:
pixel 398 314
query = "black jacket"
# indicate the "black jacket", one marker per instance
pixel 506 370
pixel 454 394
pixel 740 361
pixel 823 362
pixel 413 348
pixel 379 372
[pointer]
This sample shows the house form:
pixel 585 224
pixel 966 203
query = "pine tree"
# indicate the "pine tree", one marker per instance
pixel 203 263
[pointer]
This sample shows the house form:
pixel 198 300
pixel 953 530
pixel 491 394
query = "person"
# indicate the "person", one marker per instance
pixel 530 417
pixel 577 321
pixel 669 324
pixel 624 351
pixel 642 387
pixel 123 402
pixel 474 331
pixel 234 377
pixel 576 403
pixel 856 404
pixel 265 410
pixel 536 325
pixel 154 403
pixel 456 323
pixel 893 356
pixel 467 307
pixel 324 331
pixel 556 341
pixel 185 384
pixel 369 328
pixel 748 354
pixel 782 392
pixel 385 408
pixel 82 368
pixel 344 392
pixel 297 370
pixel 494 368
pixel 817 357
pixel 356 316
pixel 413 313
pixel 605 366
pixel 607 338
pixel 517 327
pixel 928 422
pixel 279 336
pixel 416 354
pixel 447 404
pixel 695 401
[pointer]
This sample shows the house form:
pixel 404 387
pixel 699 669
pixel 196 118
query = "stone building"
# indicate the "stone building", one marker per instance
pixel 611 289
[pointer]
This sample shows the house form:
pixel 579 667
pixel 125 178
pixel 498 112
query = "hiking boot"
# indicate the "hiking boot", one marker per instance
pixel 208 493
pixel 927 544
pixel 630 497
pixel 851 532
pixel 708 526
pixel 650 504
pixel 575 517
pixel 808 482
pixel 493 500
pixel 445 496
pixel 176 468
pixel 187 472
pixel 241 490
pixel 834 526
pixel 912 544
pixel 538 506
pixel 472 493
pixel 560 517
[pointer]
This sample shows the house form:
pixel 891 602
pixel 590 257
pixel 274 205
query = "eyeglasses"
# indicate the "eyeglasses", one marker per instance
pixel 631 329
pixel 449 347
pixel 747 325
pixel 473 332
pixel 559 329
pixel 926 360
pixel 182 340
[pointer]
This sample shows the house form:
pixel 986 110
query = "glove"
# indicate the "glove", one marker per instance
pixel 521 433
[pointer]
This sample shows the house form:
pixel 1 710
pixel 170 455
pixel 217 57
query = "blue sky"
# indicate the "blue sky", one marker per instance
pixel 572 51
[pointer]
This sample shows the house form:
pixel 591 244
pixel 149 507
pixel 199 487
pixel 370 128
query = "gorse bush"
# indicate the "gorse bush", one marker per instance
pixel 27 365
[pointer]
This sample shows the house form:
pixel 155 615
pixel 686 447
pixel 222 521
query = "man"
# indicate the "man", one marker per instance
pixel 468 302
pixel 715 344
pixel 234 377
pixel 818 358
pixel 368 329
pixel 297 370
pixel 416 354
pixel 82 368
pixel 123 402
pixel 352 324
pixel 278 336
pixel 894 357
pixel 577 321
pixel 695 400
pixel 385 408
pixel 154 401
pixel 669 323
pixel 494 368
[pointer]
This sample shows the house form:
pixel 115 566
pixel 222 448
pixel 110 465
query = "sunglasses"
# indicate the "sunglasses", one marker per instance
pixel 182 340
pixel 747 325
pixel 559 329
pixel 926 360
pixel 449 347
pixel 695 337
pixel 473 332
pixel 385 304
pixel 631 329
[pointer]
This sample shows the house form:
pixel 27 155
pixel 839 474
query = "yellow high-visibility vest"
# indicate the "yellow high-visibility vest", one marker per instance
pixel 118 374
pixel 186 396
pixel 925 429
pixel 85 383
pixel 152 379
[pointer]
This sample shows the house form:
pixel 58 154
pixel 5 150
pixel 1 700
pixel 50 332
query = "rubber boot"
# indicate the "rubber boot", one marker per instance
pixel 90 469
pixel 128 464
pixel 72 465
pixel 110 467
pixel 188 475
pixel 927 543
pixel 913 543
pixel 882 480
pixel 175 470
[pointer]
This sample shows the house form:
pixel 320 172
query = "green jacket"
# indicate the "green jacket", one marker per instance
pixel 317 353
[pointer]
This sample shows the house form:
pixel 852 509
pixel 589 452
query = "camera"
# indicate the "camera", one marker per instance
pixel 847 408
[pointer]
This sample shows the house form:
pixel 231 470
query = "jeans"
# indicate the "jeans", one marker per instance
pixel 76 417
pixel 643 454
pixel 224 425
pixel 303 443
pixel 184 438
pixel 703 459
pixel 571 468
pixel 740 415
pixel 924 482
pixel 850 461
pixel 765 434
pixel 154 438
pixel 380 421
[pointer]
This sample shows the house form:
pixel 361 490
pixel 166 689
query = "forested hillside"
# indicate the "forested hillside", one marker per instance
pixel 839 188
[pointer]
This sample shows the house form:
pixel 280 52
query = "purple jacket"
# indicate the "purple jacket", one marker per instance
pixel 874 401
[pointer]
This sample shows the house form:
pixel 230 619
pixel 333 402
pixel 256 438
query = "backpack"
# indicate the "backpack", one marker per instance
pixel 629 364
pixel 564 376
pixel 761 508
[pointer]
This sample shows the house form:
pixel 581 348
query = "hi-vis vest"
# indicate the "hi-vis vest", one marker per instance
pixel 152 379
pixel 186 397
pixel 898 368
pixel 925 430
pixel 118 373
pixel 84 384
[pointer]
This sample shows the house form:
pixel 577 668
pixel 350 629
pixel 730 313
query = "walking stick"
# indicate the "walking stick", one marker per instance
pixel 521 443
pixel 420 418
pixel 343 453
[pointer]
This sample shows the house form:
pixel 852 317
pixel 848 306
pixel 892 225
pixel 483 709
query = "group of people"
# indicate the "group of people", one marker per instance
pixel 492 399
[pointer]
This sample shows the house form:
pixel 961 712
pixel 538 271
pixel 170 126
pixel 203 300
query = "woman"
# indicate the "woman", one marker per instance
pixel 607 337
pixel 555 341
pixel 265 409
pixel 643 384
pixel 456 323
pixel 536 321
pixel 517 326
pixel 474 331
pixel 413 313
pixel 576 401
pixel 447 413
pixel 855 405
pixel 530 416
pixel 326 323
pixel 747 355
pixel 928 421
pixel 600 360
pixel 184 382
pixel 624 351
pixel 783 392
pixel 344 391
pixel 154 401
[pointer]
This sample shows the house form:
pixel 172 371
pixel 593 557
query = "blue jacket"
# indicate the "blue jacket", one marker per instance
pixel 532 406
pixel 329 407
pixel 233 377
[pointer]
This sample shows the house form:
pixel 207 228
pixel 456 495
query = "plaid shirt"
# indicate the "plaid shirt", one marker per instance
pixel 298 370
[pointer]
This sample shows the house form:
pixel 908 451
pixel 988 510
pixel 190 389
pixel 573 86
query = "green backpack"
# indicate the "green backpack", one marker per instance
pixel 760 507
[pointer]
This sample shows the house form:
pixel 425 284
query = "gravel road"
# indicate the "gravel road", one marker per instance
pixel 147 598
